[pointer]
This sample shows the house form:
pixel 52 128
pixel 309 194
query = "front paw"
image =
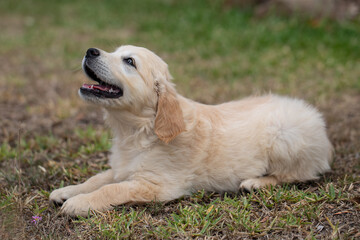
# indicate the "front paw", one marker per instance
pixel 60 195
pixel 81 204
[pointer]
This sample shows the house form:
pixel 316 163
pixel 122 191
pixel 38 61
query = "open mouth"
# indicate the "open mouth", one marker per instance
pixel 103 89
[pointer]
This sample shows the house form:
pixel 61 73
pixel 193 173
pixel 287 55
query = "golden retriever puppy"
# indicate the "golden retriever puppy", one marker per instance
pixel 166 146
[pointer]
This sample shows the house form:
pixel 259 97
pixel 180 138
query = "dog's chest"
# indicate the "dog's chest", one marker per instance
pixel 126 163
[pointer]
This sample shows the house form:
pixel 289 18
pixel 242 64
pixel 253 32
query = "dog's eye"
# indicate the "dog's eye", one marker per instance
pixel 130 61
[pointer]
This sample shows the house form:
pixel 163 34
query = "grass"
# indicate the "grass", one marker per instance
pixel 49 138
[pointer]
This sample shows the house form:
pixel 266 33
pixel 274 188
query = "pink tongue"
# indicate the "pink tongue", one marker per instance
pixel 102 88
pixel 99 87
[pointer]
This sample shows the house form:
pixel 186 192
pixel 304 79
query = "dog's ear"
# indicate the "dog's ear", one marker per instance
pixel 169 121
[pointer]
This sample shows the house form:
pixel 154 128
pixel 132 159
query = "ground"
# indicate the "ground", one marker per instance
pixel 49 138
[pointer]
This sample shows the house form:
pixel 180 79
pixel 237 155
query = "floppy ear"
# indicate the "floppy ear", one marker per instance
pixel 169 121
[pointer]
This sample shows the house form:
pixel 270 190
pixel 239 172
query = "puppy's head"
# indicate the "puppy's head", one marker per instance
pixel 134 79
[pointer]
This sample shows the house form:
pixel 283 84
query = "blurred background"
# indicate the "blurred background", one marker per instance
pixel 216 50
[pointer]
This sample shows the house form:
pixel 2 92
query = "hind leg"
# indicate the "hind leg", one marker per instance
pixel 259 182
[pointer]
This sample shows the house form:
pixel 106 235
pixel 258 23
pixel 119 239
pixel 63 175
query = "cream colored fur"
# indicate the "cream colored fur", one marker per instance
pixel 166 146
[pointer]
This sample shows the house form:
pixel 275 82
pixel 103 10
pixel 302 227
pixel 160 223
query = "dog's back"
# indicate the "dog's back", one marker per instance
pixel 280 138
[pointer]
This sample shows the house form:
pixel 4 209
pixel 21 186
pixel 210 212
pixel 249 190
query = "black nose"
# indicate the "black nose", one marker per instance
pixel 92 53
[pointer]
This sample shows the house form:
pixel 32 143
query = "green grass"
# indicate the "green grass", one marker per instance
pixel 257 214
pixel 49 138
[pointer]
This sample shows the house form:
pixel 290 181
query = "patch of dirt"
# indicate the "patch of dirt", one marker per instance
pixel 44 99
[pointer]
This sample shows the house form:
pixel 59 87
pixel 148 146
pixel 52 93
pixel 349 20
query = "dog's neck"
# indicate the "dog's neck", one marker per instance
pixel 138 127
pixel 124 120
pixel 131 126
